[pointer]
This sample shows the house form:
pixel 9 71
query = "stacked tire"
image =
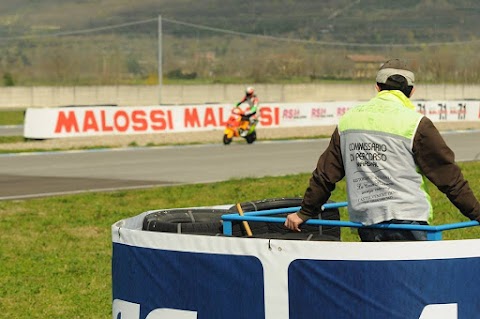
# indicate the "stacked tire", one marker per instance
pixel 185 221
pixel 278 231
pixel 204 221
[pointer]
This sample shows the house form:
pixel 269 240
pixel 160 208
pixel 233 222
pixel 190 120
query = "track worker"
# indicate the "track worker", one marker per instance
pixel 385 150
pixel 253 102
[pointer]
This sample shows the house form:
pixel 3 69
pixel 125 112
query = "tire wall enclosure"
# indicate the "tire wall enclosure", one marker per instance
pixel 163 274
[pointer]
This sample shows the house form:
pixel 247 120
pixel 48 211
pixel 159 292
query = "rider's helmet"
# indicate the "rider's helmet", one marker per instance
pixel 249 91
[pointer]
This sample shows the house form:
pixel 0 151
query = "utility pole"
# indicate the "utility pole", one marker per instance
pixel 160 62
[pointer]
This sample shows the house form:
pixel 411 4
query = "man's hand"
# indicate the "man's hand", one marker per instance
pixel 293 222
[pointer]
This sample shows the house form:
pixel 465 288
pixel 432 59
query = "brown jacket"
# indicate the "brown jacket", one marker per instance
pixel 432 155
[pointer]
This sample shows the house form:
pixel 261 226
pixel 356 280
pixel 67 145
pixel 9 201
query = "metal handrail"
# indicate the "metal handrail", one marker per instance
pixel 433 232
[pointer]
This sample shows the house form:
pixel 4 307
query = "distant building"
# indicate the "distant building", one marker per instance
pixel 365 66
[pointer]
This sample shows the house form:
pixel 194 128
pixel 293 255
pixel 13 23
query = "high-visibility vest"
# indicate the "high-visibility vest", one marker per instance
pixel 383 181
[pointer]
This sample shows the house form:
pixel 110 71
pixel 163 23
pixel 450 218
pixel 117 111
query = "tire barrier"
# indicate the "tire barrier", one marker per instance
pixel 195 221
pixel 205 221
pixel 278 231
pixel 186 221
pixel 164 275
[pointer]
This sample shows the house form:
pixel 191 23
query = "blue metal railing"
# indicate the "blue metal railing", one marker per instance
pixel 433 232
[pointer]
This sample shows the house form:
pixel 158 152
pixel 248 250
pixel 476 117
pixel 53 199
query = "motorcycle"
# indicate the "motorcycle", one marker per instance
pixel 236 127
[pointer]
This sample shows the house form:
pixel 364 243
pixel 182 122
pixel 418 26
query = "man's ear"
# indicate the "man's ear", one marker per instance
pixel 411 92
pixel 377 88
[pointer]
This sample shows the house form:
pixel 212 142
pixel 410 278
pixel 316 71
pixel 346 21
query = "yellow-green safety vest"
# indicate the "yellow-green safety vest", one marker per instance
pixel 383 181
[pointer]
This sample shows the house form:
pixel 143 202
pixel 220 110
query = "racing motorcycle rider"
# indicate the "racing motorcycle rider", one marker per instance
pixel 252 100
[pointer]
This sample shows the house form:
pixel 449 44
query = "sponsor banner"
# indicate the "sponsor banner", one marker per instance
pixel 178 276
pixel 188 281
pixel 394 289
pixel 449 111
pixel 93 121
pixel 41 123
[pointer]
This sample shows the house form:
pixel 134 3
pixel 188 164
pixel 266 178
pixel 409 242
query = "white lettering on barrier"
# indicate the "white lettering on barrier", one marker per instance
pixel 126 310
pixel 171 313
pixel 129 310
pixel 440 311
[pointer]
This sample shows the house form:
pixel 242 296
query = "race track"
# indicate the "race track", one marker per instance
pixel 55 173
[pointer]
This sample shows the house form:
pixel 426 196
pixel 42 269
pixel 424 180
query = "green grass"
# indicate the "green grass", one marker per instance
pixel 11 139
pixel 11 117
pixel 56 252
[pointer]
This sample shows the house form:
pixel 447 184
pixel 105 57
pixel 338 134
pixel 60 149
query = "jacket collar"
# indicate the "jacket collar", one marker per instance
pixel 396 95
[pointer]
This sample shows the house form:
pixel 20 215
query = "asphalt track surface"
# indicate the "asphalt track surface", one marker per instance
pixel 31 175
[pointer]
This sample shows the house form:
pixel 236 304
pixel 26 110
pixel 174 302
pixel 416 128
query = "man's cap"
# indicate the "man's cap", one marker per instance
pixel 395 67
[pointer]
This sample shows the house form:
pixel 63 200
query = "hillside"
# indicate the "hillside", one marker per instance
pixel 371 21
pixel 114 42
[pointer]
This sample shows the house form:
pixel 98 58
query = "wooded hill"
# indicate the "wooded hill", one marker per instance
pixel 370 21
pixel 115 41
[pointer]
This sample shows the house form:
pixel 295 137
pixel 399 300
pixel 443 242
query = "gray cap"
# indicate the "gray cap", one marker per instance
pixel 392 67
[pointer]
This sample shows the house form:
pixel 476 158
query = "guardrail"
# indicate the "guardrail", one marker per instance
pixel 433 232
